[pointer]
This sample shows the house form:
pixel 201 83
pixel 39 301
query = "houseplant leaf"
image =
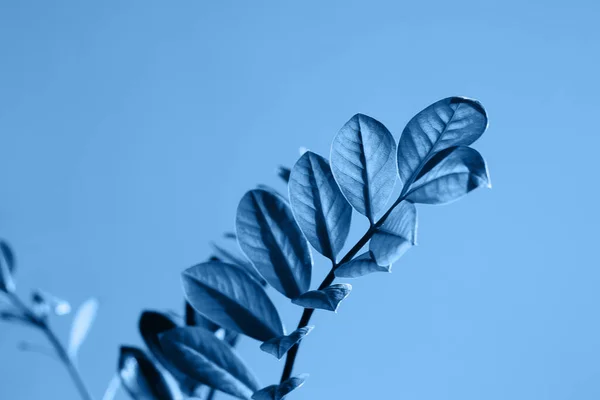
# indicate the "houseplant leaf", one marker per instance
pixel 7 268
pixel 229 297
pixel 269 236
pixel 239 261
pixel 278 392
pixel 325 299
pixel 363 264
pixel 82 322
pixel 396 235
pixel 199 354
pixel 363 161
pixel 459 171
pixel 140 377
pixel 279 346
pixel 454 121
pixel 319 206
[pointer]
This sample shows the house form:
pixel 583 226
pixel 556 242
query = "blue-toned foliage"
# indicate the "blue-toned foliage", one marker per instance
pixel 361 265
pixel 199 354
pixel 363 161
pixel 458 171
pixel 279 346
pixel 328 299
pixel 396 235
pixel 272 241
pixel 319 206
pixel 228 296
pixel 239 261
pixel 278 392
pixel 454 121
pixel 140 377
pixel 7 268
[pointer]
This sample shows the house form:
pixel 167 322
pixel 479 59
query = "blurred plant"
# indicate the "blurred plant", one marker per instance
pixel 37 315
pixel 194 356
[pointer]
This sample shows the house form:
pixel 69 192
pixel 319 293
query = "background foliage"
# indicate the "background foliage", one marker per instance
pixel 124 119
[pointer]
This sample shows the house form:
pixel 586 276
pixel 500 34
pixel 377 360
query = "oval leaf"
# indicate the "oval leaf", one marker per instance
pixel 363 161
pixel 319 206
pixel 454 121
pixel 278 392
pixel 326 299
pixel 396 235
pixel 460 170
pixel 363 264
pixel 231 258
pixel 151 325
pixel 279 346
pixel 141 378
pixel 269 236
pixel 199 354
pixel 229 297
pixel 194 318
pixel 82 322
pixel 7 267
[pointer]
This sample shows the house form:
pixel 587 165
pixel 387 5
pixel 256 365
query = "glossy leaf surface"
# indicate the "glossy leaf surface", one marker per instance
pixel 363 264
pixel 272 241
pixel 140 377
pixel 199 354
pixel 279 346
pixel 396 235
pixel 327 299
pixel 454 121
pixel 319 206
pixel 278 392
pixel 82 322
pixel 459 171
pixel 229 297
pixel 363 161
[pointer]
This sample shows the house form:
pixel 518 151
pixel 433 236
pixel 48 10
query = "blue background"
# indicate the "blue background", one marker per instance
pixel 131 129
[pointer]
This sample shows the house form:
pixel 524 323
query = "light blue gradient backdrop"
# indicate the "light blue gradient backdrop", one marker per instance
pixel 129 130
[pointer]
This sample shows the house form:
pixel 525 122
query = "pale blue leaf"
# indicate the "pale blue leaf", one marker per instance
pixel 151 325
pixel 239 261
pixel 269 236
pixel 396 235
pixel 278 392
pixel 319 206
pixel 279 346
pixel 82 322
pixel 454 121
pixel 361 265
pixel 199 354
pixel 363 161
pixel 460 170
pixel 229 297
pixel 140 377
pixel 325 299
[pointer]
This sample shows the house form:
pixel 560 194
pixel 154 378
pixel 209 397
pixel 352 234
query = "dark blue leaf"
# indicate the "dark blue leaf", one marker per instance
pixel 278 392
pixel 454 121
pixel 231 298
pixel 363 161
pixel 279 346
pixel 140 377
pixel 272 241
pixel 325 299
pixel 239 261
pixel 194 318
pixel 151 325
pixel 319 206
pixel 284 173
pixel 459 172
pixel 199 354
pixel 396 235
pixel 363 264
pixel 7 267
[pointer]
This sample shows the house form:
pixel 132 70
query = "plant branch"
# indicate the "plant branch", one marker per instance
pixel 43 326
pixel 308 312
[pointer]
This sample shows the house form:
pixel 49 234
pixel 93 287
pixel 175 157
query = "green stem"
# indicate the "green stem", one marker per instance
pixel 62 353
